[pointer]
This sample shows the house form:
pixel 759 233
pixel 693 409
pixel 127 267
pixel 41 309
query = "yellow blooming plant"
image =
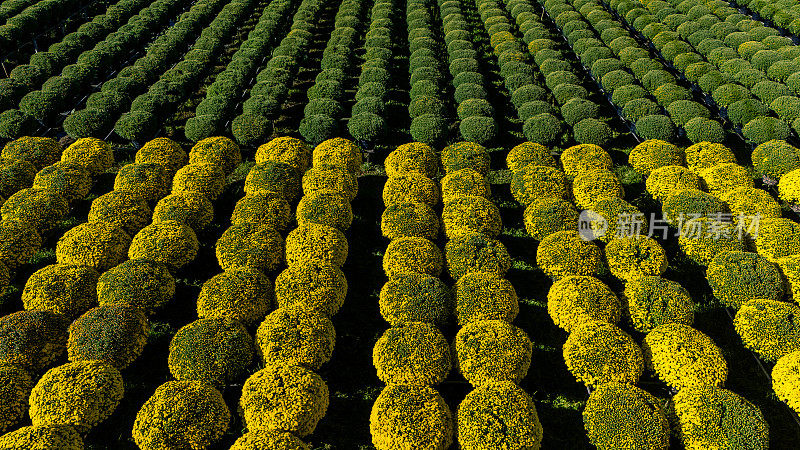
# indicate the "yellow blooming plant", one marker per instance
pixel 61 288
pixel 15 387
pixel 94 155
pixel 529 153
pixel 474 252
pixel 250 245
pixel 684 357
pixel 465 155
pixel 39 151
pixel 704 155
pixel 736 277
pixel 121 209
pixel 313 286
pixel 165 152
pixel 18 243
pixel 149 181
pixel 190 208
pixel 653 154
pixel 492 350
pixel 69 180
pixel 583 158
pixel 546 216
pixel 412 254
pixel 410 187
pixel 598 352
pixel 265 207
pixel 408 416
pixel 768 327
pixel 774 159
pixel 485 296
pixel 666 180
pixel 464 182
pixel 684 205
pixel 96 245
pixel 415 297
pixel 786 379
pixel 285 149
pixel 777 238
pixel 273 176
pixel 32 340
pixel 15 174
pixel 116 334
pixel 240 293
pixel 255 440
pixel 41 209
pixel 653 301
pixel 574 300
pixel 702 239
pixel 630 258
pixel 534 182
pixel 725 177
pixel 338 152
pixel 414 157
pixel 296 336
pixel 325 208
pixel 409 220
pixel 43 437
pixel 415 353
pixel 316 242
pixel 471 214
pixel 142 283
pixel 170 242
pixel 566 253
pixel 330 178
pixel 219 151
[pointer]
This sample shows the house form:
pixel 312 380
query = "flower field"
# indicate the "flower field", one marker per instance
pixel 395 225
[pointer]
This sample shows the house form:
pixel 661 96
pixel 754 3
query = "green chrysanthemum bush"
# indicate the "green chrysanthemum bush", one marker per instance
pixel 786 379
pixel 777 238
pixel 311 286
pixel 681 206
pixel 566 253
pixel 273 176
pixel 656 126
pixel 43 437
pixel 287 150
pixel 121 209
pixel 593 185
pixel 683 357
pixel 630 258
pixel 256 440
pixel 206 179
pixel 219 151
pixel 763 129
pixel 462 155
pixel 653 301
pixel 265 207
pixel 464 183
pixel 412 157
pixel 485 296
pixel 667 180
pixel 92 154
pixel 546 216
pixel 412 255
pixel 39 151
pixel 768 327
pixel 338 152
pixel 296 336
pixel 598 352
pixel 408 416
pixel 529 153
pixel 183 414
pixel 471 214
pixel 712 417
pixel 774 159
pixel 533 182
pixel 69 180
pixel 737 277
pixel 474 252
pixel 703 239
pixel 498 415
pixel 15 175
pixel 145 284
pixel 326 208
pixel 15 387
pixel 93 244
pixel 61 288
pixel 653 154
pixel 189 208
pixel 165 152
pixel 705 155
pixel 315 242
pixel 492 350
pixel 80 394
pixel 285 398
pixel 40 209
pixel 410 187
pixel 250 245
pixel 115 334
pixel 149 181
pixel 330 178
pixel 415 297
pixel 211 351
pixel 584 158
pixel 240 293
pixel 618 414
pixel 413 353
pixel 32 339
pixel 722 178
pixel 574 300
pixel 172 243
pixel 409 220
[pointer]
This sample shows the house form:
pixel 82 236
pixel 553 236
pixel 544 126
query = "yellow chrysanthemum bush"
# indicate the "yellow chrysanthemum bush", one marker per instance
pixel 96 245
pixel 211 351
pixel 414 353
pixel 687 204
pixel 40 209
pixel 69 180
pixel 653 154
pixel 498 406
pixel 338 152
pixel 316 242
pixel 492 350
pixel 265 207
pixel 149 181
pixel 583 158
pixel 287 150
pixel 566 253
pixel 574 300
pixel 790 267
pixel 410 187
pixel 704 238
pixel 612 217
pixel 768 327
pixel 474 252
pixel 415 297
pixel 121 209
pixel 589 186
pixel 296 336
pixel 43 437
pixel 115 334
pixel 92 154
pixel 704 155
pixel 312 286
pixel 15 175
pixel 534 182
pixel 164 152
pixel 529 153
pixel 39 151
pixel 598 352
pixel 412 255
pixel 330 178
pixel 184 414
pixel 274 176
pixel 80 394
pixel 630 258
pixel 142 283
pixel 172 243
pixel 240 293
pixel 284 397
pixel 618 414
pixel 464 182
pixel 654 301
pixel 219 151
pixel 465 155
pixel 749 205
pixel 712 417
pixel 667 180
pixel 15 387
pixel 409 416
pixel 777 238
pixel 546 216
pixel 250 245
pixel 774 159
pixel 413 157
pixel 725 177
pixel 684 357
pixel 32 339
pixel 737 277
pixel 409 220
pixel 485 296
pixel 18 243
pixel 326 208
pixel 203 178
pixel 257 440
pixel 786 380
pixel 61 288
pixel 190 208
pixel 471 214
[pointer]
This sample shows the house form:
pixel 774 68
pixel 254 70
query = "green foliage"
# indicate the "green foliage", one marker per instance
pixel 211 351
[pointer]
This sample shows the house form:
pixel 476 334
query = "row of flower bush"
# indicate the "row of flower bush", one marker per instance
pixel 783 14
pixel 31 20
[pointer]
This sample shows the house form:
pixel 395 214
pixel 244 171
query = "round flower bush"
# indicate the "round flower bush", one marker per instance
pixel 409 220
pixel 492 350
pixel 415 157
pixel 722 178
pixel 667 180
pixel 529 153
pixel 15 175
pixel 774 159
pixel 256 440
pixel 219 151
pixel 683 357
pixel 39 151
pixel 777 238
pixel 788 188
pixel 763 129
pixel 410 187
pixel 591 131
pixel 701 129
pixel 211 351
pixel 630 258
pixel 494 406
pixel 32 339
pixel 184 414
pixel 18 243
pixel 115 334
pixel 80 394
pixel 546 216
pixel 768 327
pixel 415 297
pixel 584 158
pixel 240 293
pixel 330 178
pixel 190 208
pixel 169 242
pixel 617 414
pixel 413 353
pixel 681 206
pixel 93 244
pixel 40 209
pixel 284 398
pixel 543 128
pixel 748 202
pixel 652 301
pixel 533 182
pixel 15 389
pixel 591 186
pixel 485 296
pixel 312 286
pixel 296 336
pixel 462 155
pixel 287 150
pixel 274 176
pixel 165 152
pixel 653 154
pixel 565 253
pixel 250 245
pixel 61 288
pixel 712 417
pixel 737 277
pixel 94 155
pixel 315 242
pixel 412 254
pixel 68 180
pixel 574 300
pixel 474 252
pixel 598 352
pixel 149 181
pixel 145 284
pixel 471 214
pixel 656 126
pixel 325 208
pixel 705 155
pixel 408 416
pixel 265 207
pixel 464 183
pixel 43 437
pixel 338 152
pixel 203 178
pixel 121 209
pixel 702 239
pixel 785 379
